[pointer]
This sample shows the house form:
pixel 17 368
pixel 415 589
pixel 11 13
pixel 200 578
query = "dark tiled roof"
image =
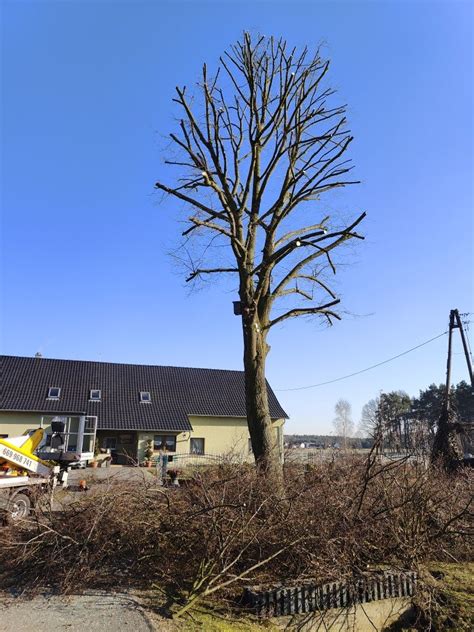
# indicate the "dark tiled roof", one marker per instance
pixel 176 392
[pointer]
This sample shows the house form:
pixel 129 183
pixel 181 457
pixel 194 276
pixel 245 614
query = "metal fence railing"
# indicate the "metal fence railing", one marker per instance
pixel 177 461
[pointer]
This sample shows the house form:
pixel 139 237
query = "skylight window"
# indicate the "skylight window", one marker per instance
pixel 95 395
pixel 54 392
pixel 145 397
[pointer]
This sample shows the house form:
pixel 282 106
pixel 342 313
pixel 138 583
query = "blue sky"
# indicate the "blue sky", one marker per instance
pixel 86 105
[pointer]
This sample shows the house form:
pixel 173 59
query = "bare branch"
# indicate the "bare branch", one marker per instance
pixel 197 223
pixel 299 231
pixel 201 271
pixel 192 201
pixel 343 236
pixel 307 311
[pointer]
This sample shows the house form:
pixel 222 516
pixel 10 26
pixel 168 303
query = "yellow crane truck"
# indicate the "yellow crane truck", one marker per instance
pixel 40 460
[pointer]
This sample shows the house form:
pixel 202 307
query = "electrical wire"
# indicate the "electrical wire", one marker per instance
pixel 369 368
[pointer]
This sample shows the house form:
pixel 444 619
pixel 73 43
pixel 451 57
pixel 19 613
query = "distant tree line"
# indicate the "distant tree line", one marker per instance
pixel 403 424
pixel 408 424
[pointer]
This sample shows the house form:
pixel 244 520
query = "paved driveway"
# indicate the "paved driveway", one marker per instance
pixel 98 480
pixel 112 473
pixel 94 613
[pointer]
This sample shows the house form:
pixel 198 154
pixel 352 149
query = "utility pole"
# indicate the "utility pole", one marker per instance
pixel 446 444
pixel 447 399
pixel 458 324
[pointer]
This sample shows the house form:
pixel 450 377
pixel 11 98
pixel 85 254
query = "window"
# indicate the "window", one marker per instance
pixel 145 397
pixel 95 395
pixel 110 443
pixel 197 446
pixel 61 418
pixel 164 442
pixel 3 436
pixel 54 392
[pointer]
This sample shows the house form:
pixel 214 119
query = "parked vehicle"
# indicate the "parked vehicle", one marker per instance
pixel 39 461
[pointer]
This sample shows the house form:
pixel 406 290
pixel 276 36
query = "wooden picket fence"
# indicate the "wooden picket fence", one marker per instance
pixel 310 597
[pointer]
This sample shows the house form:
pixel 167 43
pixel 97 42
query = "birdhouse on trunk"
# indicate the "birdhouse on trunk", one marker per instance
pixel 237 308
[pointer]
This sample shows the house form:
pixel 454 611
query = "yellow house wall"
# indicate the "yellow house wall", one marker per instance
pixel 222 436
pixel 16 424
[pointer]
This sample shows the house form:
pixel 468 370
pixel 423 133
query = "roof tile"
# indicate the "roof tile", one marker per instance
pixel 176 392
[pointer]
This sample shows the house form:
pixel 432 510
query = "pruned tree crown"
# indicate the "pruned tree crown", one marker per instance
pixel 258 141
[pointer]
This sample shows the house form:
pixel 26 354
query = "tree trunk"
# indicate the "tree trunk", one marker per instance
pixel 446 446
pixel 263 436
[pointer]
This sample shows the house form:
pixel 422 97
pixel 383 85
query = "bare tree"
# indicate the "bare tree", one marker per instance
pixel 369 419
pixel 257 146
pixel 343 423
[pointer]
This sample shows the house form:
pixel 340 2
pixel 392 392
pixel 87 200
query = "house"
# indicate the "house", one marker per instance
pixel 187 410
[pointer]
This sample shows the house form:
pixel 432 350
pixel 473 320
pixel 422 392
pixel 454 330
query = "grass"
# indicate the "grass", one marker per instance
pixel 211 621
pixel 455 584
pixel 452 584
pixel 208 617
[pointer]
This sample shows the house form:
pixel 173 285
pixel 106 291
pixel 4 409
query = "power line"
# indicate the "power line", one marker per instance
pixel 369 368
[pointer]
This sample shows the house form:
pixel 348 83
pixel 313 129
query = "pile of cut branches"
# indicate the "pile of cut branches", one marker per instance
pixel 229 528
